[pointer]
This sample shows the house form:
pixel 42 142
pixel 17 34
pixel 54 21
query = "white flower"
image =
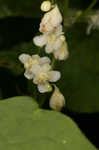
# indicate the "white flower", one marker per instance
pixel 62 53
pixel 43 75
pixel 52 40
pixel 46 6
pixel 57 100
pixel 30 61
pixel 51 20
pixel 54 43
pixel 93 22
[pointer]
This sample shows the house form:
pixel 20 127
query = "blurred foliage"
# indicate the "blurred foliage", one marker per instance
pixel 20 8
pixel 80 74
pixel 23 126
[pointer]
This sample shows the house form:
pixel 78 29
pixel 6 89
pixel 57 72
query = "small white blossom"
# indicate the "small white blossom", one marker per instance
pixel 54 43
pixel 51 20
pixel 43 75
pixel 43 39
pixel 57 100
pixel 93 22
pixel 30 61
pixel 46 6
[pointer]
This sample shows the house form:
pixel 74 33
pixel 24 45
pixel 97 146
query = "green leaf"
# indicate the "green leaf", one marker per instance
pixel 80 73
pixel 25 8
pixel 24 126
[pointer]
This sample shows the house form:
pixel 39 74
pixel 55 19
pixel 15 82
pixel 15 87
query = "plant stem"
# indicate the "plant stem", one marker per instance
pixel 53 62
pixel 42 101
pixel 90 7
pixel 39 49
pixel 86 12
pixel 65 9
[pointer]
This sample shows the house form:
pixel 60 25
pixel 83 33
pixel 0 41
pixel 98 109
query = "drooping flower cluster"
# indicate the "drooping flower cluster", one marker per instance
pixel 39 69
pixel 52 35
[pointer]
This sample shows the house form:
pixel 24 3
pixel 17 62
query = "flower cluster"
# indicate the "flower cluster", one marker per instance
pixel 52 35
pixel 39 69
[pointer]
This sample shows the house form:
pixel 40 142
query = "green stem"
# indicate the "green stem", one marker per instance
pixel 42 101
pixel 86 12
pixel 65 9
pixel 52 1
pixel 90 7
pixel 39 49
pixel 53 62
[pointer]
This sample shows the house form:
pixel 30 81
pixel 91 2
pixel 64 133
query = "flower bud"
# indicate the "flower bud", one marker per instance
pixel 51 20
pixel 57 100
pixel 46 6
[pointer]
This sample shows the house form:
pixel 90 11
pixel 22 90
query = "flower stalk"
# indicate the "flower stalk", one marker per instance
pixel 40 69
pixel 65 10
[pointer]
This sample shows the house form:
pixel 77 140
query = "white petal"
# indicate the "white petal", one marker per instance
pixel 58 43
pixel 45 68
pixel 49 48
pixel 28 74
pixel 40 40
pixel 88 31
pixel 44 60
pixel 37 57
pixel 56 16
pixel 59 30
pixel 36 79
pixel 62 53
pixel 54 76
pixel 44 88
pixel 24 57
pixel 36 69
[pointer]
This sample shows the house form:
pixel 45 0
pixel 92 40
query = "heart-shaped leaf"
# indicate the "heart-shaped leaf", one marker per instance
pixel 24 126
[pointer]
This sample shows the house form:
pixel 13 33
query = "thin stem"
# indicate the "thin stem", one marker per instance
pixel 42 101
pixel 39 49
pixel 84 13
pixel 53 62
pixel 65 9
pixel 90 7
